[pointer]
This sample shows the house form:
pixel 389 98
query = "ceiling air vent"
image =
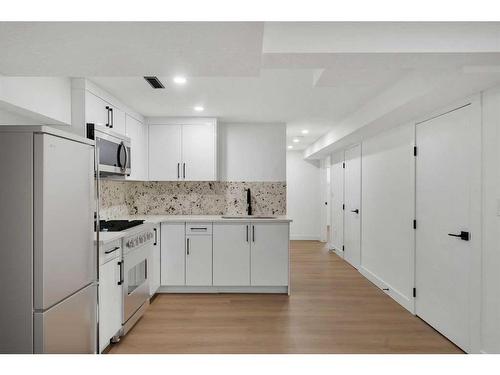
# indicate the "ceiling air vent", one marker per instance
pixel 154 82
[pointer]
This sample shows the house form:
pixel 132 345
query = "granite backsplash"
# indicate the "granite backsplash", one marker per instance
pixel 120 198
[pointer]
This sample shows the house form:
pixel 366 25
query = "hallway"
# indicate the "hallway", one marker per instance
pixel 332 309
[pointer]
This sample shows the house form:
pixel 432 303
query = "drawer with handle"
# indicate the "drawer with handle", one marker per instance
pixel 198 228
pixel 110 251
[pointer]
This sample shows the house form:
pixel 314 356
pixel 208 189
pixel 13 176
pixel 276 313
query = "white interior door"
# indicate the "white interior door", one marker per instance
pixel 352 216
pixel 446 173
pixel 337 201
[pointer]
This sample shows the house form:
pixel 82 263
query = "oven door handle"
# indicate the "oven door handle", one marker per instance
pixel 120 263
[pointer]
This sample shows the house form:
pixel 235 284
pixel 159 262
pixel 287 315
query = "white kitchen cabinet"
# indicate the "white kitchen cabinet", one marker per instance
pixel 155 262
pixel 165 152
pixel 173 254
pixel 199 260
pixel 186 152
pixel 95 110
pixel 118 123
pixel 198 152
pixel 110 302
pixel 231 254
pixel 269 254
pixel 138 134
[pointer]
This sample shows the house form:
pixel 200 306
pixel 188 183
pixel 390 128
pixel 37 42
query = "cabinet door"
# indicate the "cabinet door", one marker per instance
pixel 95 110
pixel 110 302
pixel 269 254
pixel 173 258
pixel 118 120
pixel 198 152
pixel 137 132
pixel 164 152
pixel 155 267
pixel 199 260
pixel 231 254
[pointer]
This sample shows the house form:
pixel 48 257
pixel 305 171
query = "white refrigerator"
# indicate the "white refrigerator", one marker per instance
pixel 48 265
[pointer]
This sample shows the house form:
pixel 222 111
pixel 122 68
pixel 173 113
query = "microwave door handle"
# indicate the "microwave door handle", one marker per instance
pixel 126 158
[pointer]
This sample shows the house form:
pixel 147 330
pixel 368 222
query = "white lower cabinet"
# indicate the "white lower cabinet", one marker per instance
pixel 225 255
pixel 199 260
pixel 269 254
pixel 110 301
pixel 231 254
pixel 173 255
pixel 155 263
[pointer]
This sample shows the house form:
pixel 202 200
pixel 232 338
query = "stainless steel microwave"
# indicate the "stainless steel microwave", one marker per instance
pixel 113 151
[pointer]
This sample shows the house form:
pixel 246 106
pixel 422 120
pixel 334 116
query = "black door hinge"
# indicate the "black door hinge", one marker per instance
pixel 414 224
pixel 343 165
pixel 414 150
pixel 414 292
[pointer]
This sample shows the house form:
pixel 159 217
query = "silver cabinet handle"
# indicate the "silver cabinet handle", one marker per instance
pixel 247 233
pixel 156 237
pixel 178 170
pixel 187 246
pixel 112 118
pixel 184 170
pixel 253 233
pixel 199 228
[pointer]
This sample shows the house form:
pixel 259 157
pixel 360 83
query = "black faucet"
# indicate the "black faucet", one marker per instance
pixel 249 202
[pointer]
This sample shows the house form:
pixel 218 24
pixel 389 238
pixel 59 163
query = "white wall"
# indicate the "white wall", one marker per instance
pixel 252 152
pixel 303 196
pixel 387 196
pixel 490 306
pixel 46 100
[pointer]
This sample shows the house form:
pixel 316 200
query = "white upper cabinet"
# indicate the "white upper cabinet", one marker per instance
pixel 165 155
pixel 198 152
pixel 183 152
pixel 138 134
pixel 95 110
pixel 118 123
pixel 91 104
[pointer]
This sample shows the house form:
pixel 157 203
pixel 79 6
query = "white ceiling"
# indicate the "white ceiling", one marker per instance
pixel 308 75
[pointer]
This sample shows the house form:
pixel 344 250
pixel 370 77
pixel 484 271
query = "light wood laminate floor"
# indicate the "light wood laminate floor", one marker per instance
pixel 332 309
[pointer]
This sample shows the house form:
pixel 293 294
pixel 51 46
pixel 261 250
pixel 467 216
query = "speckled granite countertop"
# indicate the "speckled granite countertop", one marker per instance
pixel 156 219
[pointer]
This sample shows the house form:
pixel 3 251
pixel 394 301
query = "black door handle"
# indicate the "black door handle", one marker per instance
pixel 356 211
pixel 464 236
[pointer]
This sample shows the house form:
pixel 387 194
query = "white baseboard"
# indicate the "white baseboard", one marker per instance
pixel 223 289
pixel 298 237
pixel 406 302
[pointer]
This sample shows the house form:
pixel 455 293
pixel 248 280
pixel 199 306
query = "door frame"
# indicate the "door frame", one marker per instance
pixel 475 269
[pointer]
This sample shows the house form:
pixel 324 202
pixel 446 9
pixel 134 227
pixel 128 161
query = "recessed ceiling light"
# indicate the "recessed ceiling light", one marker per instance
pixel 199 108
pixel 290 147
pixel 296 140
pixel 180 80
pixel 305 131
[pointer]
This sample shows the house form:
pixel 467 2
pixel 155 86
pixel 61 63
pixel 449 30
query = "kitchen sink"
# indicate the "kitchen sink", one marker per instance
pixel 248 217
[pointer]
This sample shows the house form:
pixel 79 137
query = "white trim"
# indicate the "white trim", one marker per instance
pixel 223 289
pixel 180 120
pixel 303 237
pixel 406 302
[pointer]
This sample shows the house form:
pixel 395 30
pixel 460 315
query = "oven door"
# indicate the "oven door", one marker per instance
pixel 135 280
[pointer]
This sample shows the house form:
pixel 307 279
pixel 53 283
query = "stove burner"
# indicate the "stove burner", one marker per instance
pixel 118 225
